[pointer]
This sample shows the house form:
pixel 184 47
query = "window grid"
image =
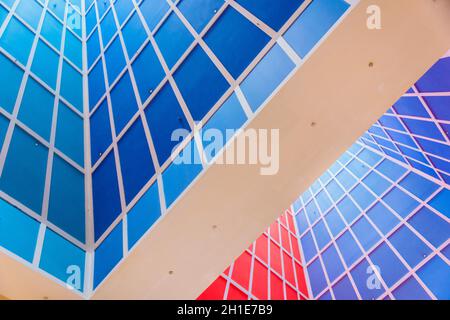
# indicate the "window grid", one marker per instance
pixel 383 238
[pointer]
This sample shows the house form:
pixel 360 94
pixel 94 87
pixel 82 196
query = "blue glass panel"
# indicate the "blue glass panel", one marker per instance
pixel 143 215
pixel 103 7
pixel 309 248
pixel 229 116
pixel 91 20
pixel 410 290
pixel 108 254
pixel 4 123
pixel 108 27
pixel 439 107
pixel 439 149
pixel 36 110
pixel 376 183
pixel 348 209
pixel 369 157
pixel 72 86
pixel 96 84
pixel 45 64
pixel 343 290
pixel 52 30
pixel 191 77
pixel 332 262
pixel 365 233
pixel 66 207
pixel 361 274
pixel 134 34
pixel 123 9
pixel 334 222
pixel 3 14
pixel 148 72
pixel 93 48
pixel 115 61
pixel 419 186
pixel 101 136
pixel 302 224
pixel 165 106
pixel 173 39
pixel 323 201
pixel 199 12
pixel 346 179
pixel 313 23
pixel 63 260
pixel 349 248
pixel 30 11
pixel 235 41
pixel 441 202
pixel 411 106
pixel 432 227
pixel 313 212
pixel 23 176
pixel 358 168
pixel 154 11
pixel 334 190
pixel 23 240
pixel 106 198
pixel 135 160
pixel 391 170
pixel 73 49
pixel 17 40
pixel 362 196
pixel 273 13
pixel 412 249
pixel 179 175
pixel 70 134
pixel 58 7
pixel 423 128
pixel 123 102
pixel 321 233
pixel 436 79
pixel 436 276
pixel 382 217
pixel 391 267
pixel 317 277
pixel 400 202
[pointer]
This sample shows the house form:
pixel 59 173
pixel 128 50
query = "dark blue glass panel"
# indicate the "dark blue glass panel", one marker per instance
pixel 191 77
pixel 108 254
pixel 106 197
pixel 101 136
pixel 123 101
pixel 391 268
pixel 273 13
pixel 173 39
pixel 235 41
pixel 436 79
pixel 135 160
pixel 148 72
pixel 165 106
pixel 199 12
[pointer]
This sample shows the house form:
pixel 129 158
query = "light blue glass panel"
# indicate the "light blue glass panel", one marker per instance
pixel 23 240
pixel 63 260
